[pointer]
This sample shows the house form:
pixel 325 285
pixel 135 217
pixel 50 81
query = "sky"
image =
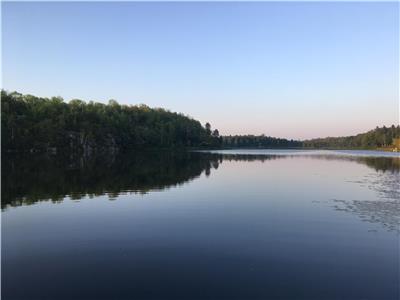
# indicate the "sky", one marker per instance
pixel 287 69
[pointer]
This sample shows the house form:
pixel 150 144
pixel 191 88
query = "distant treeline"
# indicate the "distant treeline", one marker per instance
pixel 260 141
pixel 380 137
pixel 30 123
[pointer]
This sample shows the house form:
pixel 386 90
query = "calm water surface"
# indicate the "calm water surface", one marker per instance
pixel 245 224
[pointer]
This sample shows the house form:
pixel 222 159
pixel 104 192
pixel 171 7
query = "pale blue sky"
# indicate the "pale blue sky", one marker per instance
pixel 295 70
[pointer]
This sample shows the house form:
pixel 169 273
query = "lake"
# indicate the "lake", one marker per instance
pixel 231 224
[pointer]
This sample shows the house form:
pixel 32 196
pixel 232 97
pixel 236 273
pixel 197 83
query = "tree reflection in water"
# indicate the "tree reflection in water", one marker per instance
pixel 30 179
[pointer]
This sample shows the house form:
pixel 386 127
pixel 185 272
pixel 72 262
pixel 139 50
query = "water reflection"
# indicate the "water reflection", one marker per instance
pixel 258 227
pixel 27 180
pixel 384 164
pixel 385 210
pixel 385 182
pixel 385 213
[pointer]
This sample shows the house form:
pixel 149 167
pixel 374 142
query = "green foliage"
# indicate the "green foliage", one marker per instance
pixel 30 123
pixel 377 138
pixel 261 141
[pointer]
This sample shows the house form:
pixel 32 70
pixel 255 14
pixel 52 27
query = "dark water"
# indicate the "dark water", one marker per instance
pixel 231 225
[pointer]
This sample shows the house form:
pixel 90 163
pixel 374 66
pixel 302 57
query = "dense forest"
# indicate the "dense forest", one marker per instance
pixel 36 124
pixel 380 137
pixel 261 141
pixel 30 123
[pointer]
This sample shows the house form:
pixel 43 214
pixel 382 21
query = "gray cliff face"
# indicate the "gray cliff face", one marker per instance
pixel 86 144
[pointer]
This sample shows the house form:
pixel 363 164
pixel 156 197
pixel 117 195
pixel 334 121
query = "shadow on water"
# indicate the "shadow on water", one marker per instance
pixel 30 179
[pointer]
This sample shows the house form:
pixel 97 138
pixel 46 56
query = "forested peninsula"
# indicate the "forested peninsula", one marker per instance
pixel 36 124
pixel 380 138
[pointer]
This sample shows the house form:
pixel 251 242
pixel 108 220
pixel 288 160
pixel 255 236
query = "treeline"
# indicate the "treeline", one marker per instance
pixel 36 124
pixel 261 141
pixel 380 137
pixel 30 123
